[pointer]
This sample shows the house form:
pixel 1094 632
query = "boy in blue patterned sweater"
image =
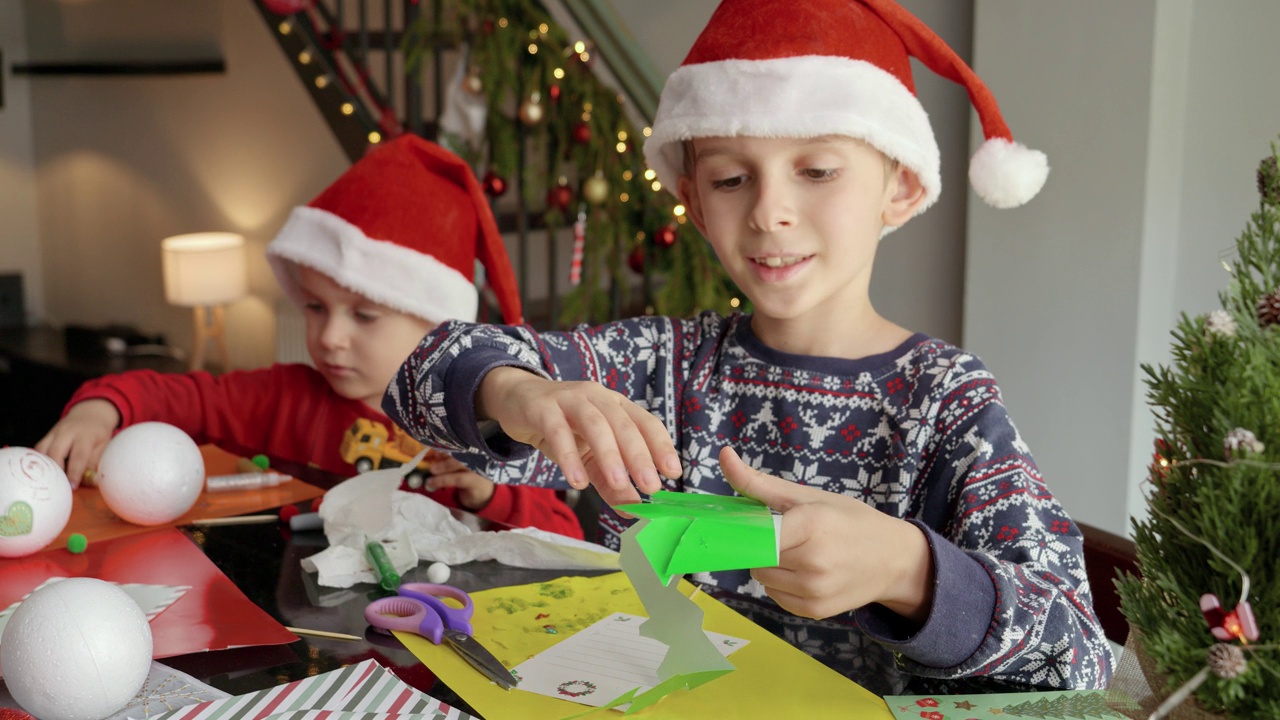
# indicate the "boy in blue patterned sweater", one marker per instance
pixel 919 544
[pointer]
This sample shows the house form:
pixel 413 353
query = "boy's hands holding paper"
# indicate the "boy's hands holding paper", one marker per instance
pixel 836 552
pixel 597 436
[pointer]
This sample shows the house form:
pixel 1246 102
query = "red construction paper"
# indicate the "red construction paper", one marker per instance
pixel 212 615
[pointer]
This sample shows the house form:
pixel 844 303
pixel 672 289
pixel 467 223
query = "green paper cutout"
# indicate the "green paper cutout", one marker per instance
pixel 687 681
pixel 689 533
pixel 654 694
pixel 674 620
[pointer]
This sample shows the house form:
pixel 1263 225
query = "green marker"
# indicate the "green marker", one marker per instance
pixel 389 579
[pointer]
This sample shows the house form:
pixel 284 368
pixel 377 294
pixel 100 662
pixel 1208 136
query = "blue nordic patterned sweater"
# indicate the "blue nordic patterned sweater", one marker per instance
pixel 919 433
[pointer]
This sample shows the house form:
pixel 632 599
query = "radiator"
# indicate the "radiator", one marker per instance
pixel 291 333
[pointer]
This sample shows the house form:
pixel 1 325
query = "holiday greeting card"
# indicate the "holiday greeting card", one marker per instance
pixel 1062 705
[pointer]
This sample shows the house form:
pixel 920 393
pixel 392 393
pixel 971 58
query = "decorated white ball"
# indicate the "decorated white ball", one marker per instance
pixel 35 501
pixel 150 473
pixel 77 649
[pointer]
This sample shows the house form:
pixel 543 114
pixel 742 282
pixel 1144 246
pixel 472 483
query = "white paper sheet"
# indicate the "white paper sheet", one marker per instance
pixel 153 599
pixel 421 529
pixel 603 661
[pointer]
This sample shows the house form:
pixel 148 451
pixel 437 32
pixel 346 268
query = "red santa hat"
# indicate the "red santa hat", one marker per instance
pixel 403 227
pixel 806 68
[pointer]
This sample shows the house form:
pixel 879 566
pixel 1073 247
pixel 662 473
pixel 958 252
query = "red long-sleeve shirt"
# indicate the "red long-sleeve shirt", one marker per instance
pixel 289 411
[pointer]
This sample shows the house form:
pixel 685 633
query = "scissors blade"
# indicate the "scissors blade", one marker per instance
pixel 481 659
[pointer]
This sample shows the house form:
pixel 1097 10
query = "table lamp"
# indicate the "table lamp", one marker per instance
pixel 205 271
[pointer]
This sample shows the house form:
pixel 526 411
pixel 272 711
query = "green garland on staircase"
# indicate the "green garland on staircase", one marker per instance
pixel 580 151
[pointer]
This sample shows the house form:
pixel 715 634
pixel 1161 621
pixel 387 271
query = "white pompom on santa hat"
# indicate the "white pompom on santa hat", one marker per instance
pixel 403 227
pixel 807 68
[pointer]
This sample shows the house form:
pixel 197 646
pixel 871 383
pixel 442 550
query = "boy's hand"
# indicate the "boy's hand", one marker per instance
pixel 837 553
pixel 594 434
pixel 77 441
pixel 474 491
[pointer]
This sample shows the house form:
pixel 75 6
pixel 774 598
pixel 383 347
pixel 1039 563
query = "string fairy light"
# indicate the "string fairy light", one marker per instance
pixel 1224 659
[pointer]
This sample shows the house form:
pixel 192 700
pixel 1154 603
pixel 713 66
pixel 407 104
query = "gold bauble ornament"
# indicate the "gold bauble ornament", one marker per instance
pixel 472 82
pixel 531 112
pixel 596 189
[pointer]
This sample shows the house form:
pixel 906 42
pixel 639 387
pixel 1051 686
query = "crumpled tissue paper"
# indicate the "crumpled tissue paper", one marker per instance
pixel 414 527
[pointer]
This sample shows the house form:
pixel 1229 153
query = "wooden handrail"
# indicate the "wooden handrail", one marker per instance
pixel 1106 556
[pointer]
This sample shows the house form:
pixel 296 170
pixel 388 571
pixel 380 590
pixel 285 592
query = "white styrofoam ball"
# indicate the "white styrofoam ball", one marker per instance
pixel 150 473
pixel 438 573
pixel 35 501
pixel 78 649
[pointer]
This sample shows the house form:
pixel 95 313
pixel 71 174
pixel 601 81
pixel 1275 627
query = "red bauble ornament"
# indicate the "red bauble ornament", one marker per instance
pixel 560 197
pixel 494 184
pixel 287 7
pixel 665 236
pixel 635 260
pixel 486 27
pixel 553 92
pixel 582 133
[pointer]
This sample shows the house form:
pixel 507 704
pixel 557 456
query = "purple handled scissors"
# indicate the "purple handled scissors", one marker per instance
pixel 418 608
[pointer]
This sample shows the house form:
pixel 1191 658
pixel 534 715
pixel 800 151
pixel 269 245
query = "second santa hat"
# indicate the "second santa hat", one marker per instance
pixel 806 68
pixel 403 227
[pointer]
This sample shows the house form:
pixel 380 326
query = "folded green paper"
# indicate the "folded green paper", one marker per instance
pixel 689 533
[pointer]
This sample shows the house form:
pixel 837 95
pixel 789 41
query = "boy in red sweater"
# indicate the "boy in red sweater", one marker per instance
pixel 376 261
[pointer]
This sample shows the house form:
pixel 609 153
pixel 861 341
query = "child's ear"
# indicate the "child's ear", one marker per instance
pixel 905 196
pixel 687 191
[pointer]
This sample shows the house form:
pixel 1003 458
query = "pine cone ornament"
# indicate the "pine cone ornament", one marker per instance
pixel 1269 181
pixel 1240 442
pixel 1269 309
pixel 1227 661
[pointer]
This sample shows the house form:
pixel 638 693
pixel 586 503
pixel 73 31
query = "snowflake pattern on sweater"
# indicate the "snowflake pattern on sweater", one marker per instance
pixel 919 433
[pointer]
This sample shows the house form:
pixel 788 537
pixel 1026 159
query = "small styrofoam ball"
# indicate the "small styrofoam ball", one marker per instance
pixel 35 501
pixel 151 473
pixel 438 573
pixel 77 649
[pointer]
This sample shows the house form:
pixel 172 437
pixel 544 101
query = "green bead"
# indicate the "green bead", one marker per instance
pixel 261 461
pixel 77 543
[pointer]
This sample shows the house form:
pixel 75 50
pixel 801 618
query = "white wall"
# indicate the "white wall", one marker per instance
pixel 1154 114
pixel 19 236
pixel 123 162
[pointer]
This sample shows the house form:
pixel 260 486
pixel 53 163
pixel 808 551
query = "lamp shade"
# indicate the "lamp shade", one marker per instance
pixel 204 268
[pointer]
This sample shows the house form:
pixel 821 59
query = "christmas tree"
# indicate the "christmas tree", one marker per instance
pixel 1063 706
pixel 567 136
pixel 1207 606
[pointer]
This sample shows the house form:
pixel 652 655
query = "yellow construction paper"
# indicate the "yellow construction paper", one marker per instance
pixel 772 680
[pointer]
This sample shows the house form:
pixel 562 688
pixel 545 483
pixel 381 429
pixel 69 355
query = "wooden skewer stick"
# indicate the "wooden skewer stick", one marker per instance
pixel 237 520
pixel 322 633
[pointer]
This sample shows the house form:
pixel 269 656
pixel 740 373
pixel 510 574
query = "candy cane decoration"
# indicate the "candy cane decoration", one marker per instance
pixel 579 242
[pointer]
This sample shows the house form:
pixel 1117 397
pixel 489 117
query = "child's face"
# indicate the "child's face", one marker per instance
pixel 355 343
pixel 796 221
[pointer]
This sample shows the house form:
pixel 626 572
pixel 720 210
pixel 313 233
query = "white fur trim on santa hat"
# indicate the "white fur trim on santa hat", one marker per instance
pixel 806 96
pixel 385 272
pixel 1007 174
